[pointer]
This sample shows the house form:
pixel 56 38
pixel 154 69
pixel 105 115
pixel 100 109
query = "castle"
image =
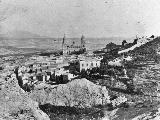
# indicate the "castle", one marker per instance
pixel 73 49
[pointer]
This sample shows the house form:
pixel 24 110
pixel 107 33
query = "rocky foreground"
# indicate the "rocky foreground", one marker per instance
pixel 78 99
pixel 15 104
pixel 77 93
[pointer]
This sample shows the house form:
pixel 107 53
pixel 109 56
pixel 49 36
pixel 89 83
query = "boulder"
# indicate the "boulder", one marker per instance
pixel 77 93
pixel 16 104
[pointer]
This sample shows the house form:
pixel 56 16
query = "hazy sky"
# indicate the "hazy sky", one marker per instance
pixel 93 18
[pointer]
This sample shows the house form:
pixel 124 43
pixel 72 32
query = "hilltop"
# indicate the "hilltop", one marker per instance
pixel 148 52
pixel 142 49
pixel 10 50
pixel 148 48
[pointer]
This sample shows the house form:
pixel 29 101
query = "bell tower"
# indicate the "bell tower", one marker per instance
pixel 63 44
pixel 82 42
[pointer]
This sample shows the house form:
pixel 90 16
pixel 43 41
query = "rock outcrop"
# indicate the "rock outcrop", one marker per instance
pixel 78 93
pixel 16 104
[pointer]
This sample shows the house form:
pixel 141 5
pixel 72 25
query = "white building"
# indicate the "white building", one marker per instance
pixel 68 76
pixel 59 60
pixel 84 64
pixel 61 71
pixel 88 64
pixel 65 73
pixel 116 62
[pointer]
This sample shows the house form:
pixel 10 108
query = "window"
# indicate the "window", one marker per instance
pixel 82 65
pixel 96 64
pixel 91 64
pixel 87 64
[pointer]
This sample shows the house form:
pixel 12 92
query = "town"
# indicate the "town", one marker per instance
pixel 79 60
pixel 114 68
pixel 73 62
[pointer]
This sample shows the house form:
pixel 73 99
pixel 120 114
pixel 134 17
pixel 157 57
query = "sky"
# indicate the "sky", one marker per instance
pixel 93 18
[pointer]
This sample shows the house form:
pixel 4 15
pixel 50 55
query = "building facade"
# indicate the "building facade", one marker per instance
pixel 73 48
pixel 85 64
pixel 88 64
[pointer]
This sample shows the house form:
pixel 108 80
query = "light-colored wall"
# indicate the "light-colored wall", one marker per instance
pixel 66 50
pixel 89 64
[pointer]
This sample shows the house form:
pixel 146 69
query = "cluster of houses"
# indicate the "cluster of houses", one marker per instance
pixel 54 69
pixel 61 69
pixel 85 64
pixel 58 68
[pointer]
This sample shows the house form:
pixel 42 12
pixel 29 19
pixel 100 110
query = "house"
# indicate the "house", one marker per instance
pixel 60 71
pixel 59 60
pixel 88 64
pixel 84 64
pixel 68 76
pixel 116 62
pixel 43 77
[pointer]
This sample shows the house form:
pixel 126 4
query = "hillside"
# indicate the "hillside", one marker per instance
pixel 143 71
pixel 20 35
pixel 147 52
pixel 15 104
pixel 148 48
pixel 9 50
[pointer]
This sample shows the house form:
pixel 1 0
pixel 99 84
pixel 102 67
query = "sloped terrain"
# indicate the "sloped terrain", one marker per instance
pixel 147 52
pixel 74 100
pixel 144 105
pixel 144 70
pixel 16 104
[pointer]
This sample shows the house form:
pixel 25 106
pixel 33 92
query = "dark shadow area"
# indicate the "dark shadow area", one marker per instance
pixel 71 113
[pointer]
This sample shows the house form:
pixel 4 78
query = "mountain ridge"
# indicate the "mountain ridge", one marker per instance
pixel 20 35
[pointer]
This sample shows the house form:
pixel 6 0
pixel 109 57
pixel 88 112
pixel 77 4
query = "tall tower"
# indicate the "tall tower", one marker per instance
pixel 63 44
pixel 82 41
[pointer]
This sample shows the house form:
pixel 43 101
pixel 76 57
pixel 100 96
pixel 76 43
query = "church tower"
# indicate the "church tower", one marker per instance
pixel 82 42
pixel 63 44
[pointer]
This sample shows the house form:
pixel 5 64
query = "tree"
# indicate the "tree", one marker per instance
pixel 152 36
pixel 83 73
pixel 124 42
pixel 135 41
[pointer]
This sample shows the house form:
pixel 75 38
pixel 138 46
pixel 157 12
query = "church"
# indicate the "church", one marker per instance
pixel 73 48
